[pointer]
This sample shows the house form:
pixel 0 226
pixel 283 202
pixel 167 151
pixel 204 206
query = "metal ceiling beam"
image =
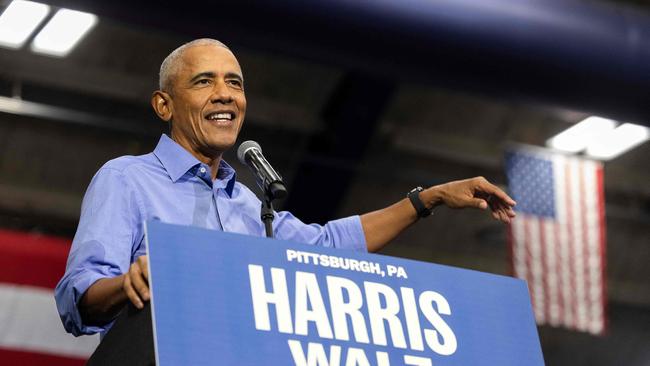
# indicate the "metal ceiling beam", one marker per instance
pixel 48 112
pixel 24 66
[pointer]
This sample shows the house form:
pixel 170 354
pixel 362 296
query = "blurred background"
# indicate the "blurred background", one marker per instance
pixel 354 103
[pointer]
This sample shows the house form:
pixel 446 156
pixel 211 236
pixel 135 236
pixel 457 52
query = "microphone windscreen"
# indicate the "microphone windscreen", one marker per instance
pixel 245 146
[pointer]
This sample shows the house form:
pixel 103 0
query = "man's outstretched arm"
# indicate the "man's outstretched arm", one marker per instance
pixel 382 226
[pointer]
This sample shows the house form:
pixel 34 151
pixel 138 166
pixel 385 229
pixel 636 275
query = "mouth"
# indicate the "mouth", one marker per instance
pixel 221 117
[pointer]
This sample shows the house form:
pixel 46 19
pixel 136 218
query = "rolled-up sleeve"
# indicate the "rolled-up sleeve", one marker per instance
pixel 109 225
pixel 345 233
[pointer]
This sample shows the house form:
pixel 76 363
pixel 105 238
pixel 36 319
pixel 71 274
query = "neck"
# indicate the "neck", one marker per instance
pixel 213 163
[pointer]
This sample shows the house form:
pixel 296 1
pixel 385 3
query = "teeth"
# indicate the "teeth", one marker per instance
pixel 220 116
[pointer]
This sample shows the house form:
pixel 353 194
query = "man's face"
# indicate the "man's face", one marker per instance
pixel 208 104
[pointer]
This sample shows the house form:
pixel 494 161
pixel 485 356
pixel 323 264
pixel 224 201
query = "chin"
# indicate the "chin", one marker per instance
pixel 223 145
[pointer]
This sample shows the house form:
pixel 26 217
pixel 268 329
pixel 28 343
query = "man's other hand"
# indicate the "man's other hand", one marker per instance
pixel 474 192
pixel 136 282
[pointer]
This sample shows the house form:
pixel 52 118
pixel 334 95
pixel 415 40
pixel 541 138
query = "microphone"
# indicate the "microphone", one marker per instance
pixel 269 181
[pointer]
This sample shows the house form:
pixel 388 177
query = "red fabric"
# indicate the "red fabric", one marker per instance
pixel 21 358
pixel 32 260
pixel 603 244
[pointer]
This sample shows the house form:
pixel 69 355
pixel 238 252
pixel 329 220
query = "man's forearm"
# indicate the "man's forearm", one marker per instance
pixel 102 301
pixel 382 226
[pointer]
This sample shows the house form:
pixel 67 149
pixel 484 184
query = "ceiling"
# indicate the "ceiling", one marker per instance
pixel 355 138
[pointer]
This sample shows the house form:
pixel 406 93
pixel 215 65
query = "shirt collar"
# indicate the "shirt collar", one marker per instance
pixel 226 174
pixel 177 161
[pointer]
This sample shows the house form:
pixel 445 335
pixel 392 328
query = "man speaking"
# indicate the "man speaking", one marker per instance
pixel 185 181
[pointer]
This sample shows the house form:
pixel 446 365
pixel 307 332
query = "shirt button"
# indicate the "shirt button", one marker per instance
pixel 202 170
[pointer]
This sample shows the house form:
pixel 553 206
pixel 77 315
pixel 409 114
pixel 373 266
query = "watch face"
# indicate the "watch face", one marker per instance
pixel 419 206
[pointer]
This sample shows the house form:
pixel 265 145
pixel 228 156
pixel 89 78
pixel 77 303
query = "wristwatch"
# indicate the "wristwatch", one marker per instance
pixel 420 207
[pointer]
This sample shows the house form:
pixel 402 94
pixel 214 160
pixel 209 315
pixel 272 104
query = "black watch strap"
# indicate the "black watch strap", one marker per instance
pixel 420 208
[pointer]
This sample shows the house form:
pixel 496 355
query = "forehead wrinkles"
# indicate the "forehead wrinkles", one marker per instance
pixel 216 60
pixel 188 58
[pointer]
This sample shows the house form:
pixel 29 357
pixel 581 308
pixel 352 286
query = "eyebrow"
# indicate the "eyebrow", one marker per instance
pixel 212 75
pixel 204 74
pixel 235 75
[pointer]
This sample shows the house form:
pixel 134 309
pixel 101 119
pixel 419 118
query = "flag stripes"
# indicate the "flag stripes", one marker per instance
pixel 560 251
pixel 31 323
pixel 10 356
pixel 31 332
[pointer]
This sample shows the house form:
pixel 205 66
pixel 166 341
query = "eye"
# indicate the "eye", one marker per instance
pixel 203 82
pixel 234 82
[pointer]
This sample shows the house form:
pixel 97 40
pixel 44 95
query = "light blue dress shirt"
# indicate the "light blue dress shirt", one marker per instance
pixel 172 186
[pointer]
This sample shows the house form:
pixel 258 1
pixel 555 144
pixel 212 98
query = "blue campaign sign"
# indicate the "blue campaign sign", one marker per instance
pixel 228 299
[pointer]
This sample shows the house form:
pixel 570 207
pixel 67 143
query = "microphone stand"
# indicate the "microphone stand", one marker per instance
pixel 267 215
pixel 273 190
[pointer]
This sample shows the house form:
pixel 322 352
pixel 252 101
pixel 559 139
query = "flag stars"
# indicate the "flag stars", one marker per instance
pixel 531 182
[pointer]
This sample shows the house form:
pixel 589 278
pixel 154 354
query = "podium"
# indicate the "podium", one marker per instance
pixel 227 299
pixel 129 342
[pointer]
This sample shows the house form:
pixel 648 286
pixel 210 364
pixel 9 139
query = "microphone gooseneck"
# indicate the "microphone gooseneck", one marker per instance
pixel 270 182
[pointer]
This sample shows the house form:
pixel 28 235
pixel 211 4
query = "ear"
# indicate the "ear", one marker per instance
pixel 162 105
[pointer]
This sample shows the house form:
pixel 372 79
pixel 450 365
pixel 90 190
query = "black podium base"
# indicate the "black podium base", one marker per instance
pixel 129 342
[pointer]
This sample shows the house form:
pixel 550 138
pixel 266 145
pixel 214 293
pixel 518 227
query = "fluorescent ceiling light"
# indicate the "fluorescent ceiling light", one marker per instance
pixel 577 137
pixel 622 139
pixel 63 32
pixel 19 20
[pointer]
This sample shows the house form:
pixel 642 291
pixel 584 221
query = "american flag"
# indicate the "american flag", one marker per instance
pixel 557 240
pixel 31 332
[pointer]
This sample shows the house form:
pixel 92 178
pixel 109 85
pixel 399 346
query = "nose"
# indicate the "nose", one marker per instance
pixel 221 93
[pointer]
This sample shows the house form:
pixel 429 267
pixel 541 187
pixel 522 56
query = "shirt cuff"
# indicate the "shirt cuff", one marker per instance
pixel 74 323
pixel 350 234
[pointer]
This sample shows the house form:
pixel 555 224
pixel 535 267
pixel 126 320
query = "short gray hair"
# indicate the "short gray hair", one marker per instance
pixel 171 63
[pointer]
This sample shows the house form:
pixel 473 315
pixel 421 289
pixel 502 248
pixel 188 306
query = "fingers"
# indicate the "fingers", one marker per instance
pixel 493 190
pixel 500 203
pixel 479 203
pixel 143 262
pixel 478 193
pixel 503 217
pixel 131 293
pixel 501 211
pixel 136 282
pixel 506 214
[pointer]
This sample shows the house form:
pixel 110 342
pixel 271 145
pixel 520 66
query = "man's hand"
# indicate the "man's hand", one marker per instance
pixel 105 298
pixel 475 192
pixel 382 226
pixel 136 282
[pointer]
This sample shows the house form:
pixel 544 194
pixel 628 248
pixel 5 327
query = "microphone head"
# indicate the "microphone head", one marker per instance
pixel 245 146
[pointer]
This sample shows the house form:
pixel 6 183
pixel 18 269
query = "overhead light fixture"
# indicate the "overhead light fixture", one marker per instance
pixel 623 138
pixel 63 32
pixel 19 20
pixel 577 137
